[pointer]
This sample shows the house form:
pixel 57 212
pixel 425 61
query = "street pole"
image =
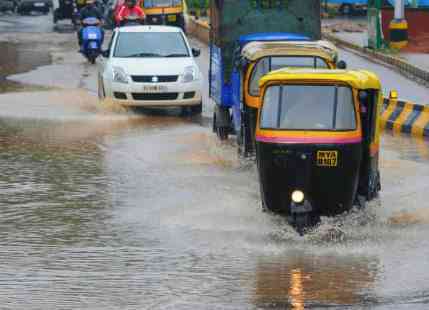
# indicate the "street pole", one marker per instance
pixel 398 27
pixel 399 9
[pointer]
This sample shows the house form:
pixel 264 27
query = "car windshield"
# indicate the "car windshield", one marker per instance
pixel 150 44
pixel 268 64
pixel 161 3
pixel 308 107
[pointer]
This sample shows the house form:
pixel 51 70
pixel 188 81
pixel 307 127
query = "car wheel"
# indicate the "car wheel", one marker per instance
pixel 197 109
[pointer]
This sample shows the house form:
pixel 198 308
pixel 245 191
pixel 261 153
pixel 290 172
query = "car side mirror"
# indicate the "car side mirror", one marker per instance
pixel 196 52
pixel 105 53
pixel 341 64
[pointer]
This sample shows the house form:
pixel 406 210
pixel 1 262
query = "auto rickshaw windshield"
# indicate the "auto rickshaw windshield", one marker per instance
pixel 161 3
pixel 308 107
pixel 268 64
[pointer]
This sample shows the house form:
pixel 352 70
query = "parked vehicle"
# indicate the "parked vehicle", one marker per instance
pixel 164 12
pixel 317 142
pixel 151 66
pixel 28 6
pixel 91 39
pixel 8 6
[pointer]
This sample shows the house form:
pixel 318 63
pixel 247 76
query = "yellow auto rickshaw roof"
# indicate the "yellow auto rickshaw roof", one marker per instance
pixel 359 79
pixel 324 49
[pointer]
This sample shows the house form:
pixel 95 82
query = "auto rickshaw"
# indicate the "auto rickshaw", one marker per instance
pixel 259 57
pixel 164 12
pixel 317 142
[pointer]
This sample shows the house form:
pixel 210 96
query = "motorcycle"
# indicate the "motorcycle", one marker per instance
pixel 132 20
pixel 91 39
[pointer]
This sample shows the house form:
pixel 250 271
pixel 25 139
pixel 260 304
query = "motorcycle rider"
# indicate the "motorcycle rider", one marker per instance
pixel 130 8
pixel 89 10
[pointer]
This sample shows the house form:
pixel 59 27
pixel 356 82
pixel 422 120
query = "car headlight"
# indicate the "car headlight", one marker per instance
pixel 119 75
pixel 190 74
pixel 297 196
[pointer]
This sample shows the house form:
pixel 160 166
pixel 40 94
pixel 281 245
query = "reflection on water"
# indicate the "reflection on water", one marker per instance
pixel 300 280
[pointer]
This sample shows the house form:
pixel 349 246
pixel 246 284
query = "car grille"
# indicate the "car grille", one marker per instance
pixel 148 78
pixel 120 95
pixel 189 95
pixel 155 96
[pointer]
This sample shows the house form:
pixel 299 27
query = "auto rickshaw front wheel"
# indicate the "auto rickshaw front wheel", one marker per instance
pixel 304 221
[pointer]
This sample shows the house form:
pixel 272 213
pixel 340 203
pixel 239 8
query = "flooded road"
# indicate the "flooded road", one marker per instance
pixel 103 208
pixel 107 210
pixel 18 58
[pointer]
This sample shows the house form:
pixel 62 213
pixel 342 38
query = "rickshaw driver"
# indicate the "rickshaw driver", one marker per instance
pixel 130 8
pixel 88 11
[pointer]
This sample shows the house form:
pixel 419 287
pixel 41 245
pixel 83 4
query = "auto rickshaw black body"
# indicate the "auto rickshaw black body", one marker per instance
pixel 317 142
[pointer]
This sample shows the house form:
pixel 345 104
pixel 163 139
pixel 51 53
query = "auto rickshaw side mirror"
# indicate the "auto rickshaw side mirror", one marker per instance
pixel 105 53
pixel 196 52
pixel 363 101
pixel 393 95
pixel 341 64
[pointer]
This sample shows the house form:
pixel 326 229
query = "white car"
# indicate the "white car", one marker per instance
pixel 151 66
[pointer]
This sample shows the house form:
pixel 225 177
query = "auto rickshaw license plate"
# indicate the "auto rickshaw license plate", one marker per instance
pixel 327 158
pixel 171 18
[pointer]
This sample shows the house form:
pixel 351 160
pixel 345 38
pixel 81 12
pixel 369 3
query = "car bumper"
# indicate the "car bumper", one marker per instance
pixel 177 94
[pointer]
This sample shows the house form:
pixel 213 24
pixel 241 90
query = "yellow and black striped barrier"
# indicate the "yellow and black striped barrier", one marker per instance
pixel 398 31
pixel 405 117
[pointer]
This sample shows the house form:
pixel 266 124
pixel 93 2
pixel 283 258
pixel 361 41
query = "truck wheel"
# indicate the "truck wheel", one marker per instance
pixel 222 133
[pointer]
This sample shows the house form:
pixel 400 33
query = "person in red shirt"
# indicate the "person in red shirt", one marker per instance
pixel 129 9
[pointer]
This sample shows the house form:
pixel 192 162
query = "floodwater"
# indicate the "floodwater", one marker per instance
pixel 17 58
pixel 108 209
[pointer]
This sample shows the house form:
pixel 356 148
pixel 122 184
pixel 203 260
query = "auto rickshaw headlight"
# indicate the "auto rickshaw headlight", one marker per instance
pixel 297 196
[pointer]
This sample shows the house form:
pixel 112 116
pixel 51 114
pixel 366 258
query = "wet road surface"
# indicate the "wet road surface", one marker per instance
pixel 104 208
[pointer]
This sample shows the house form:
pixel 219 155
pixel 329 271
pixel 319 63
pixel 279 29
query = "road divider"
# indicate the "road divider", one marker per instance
pixel 405 117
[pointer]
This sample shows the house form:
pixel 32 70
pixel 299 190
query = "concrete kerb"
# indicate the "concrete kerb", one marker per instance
pixel 405 117
pixel 399 64
pixel 397 115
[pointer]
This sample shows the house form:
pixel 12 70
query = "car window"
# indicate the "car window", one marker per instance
pixel 268 64
pixel 151 44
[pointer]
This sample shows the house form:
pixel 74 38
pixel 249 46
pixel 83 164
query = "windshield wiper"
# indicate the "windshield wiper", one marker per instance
pixel 177 55
pixel 143 55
